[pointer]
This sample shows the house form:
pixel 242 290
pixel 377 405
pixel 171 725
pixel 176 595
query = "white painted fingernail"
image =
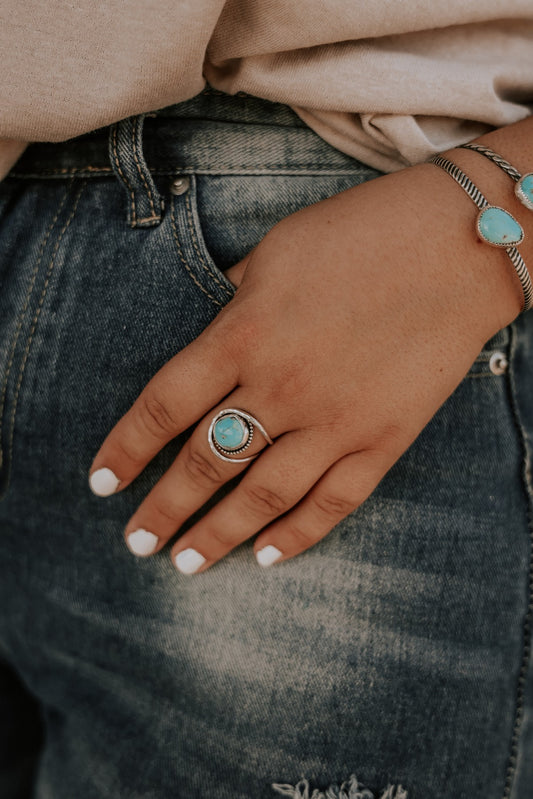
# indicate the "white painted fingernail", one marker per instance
pixel 189 561
pixel 103 482
pixel 142 542
pixel 268 555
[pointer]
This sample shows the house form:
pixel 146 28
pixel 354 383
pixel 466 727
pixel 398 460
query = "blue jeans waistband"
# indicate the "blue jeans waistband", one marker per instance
pixel 212 133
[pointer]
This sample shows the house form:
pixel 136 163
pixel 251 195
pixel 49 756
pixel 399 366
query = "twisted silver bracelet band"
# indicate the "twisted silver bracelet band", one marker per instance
pixel 524 183
pixel 483 204
pixel 492 156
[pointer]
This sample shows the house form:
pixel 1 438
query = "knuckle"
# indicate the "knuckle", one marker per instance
pixel 201 470
pixel 238 333
pixel 333 506
pixel 166 511
pixel 263 501
pixel 155 416
pixel 392 440
pixel 226 540
pixel 292 379
pixel 303 537
pixel 125 451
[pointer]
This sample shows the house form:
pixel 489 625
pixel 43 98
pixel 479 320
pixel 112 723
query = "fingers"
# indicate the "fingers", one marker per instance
pixel 342 489
pixel 292 495
pixel 291 490
pixel 188 484
pixel 178 395
pixel 275 482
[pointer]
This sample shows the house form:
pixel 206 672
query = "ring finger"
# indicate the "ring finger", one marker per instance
pixel 196 474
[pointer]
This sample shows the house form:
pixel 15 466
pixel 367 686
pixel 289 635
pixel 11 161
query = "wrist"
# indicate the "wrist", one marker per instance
pixel 496 275
pixel 513 144
pixel 479 280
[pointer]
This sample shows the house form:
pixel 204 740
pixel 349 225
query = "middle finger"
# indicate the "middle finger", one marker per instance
pixel 189 483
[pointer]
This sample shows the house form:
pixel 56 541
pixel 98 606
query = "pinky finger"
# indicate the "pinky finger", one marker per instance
pixel 345 486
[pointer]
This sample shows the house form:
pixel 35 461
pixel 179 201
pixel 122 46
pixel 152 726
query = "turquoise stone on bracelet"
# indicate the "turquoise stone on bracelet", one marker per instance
pixel 524 190
pixel 497 227
pixel 231 433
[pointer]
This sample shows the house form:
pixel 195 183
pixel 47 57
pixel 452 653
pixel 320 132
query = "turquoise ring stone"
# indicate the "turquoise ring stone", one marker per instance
pixel 524 190
pixel 498 227
pixel 231 432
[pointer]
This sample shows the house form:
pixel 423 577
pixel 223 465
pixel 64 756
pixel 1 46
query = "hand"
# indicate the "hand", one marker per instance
pixel 353 321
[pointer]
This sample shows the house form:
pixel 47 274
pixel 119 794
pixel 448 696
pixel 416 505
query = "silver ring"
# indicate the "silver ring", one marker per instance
pixel 231 432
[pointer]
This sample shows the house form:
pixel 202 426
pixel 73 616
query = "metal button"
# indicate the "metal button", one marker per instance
pixel 180 185
pixel 498 363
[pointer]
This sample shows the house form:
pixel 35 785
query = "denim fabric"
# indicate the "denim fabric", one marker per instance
pixel 396 650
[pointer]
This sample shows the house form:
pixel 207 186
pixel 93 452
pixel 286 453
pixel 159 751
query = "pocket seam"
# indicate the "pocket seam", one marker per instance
pixel 196 245
pixel 40 304
pixel 21 320
pixel 184 260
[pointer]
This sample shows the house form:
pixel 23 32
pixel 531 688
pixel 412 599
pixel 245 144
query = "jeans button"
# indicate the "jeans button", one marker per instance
pixel 498 363
pixel 180 185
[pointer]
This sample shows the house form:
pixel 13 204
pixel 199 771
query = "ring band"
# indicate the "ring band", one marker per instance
pixel 231 432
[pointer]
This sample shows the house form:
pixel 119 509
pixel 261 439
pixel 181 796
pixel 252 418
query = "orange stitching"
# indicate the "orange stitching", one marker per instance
pixel 197 249
pixel 23 313
pixel 140 171
pixel 35 320
pixel 123 176
pixel 66 170
pixel 477 375
pixel 217 169
pixel 209 169
pixel 184 262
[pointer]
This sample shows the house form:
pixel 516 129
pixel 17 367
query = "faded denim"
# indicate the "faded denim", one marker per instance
pixel 396 650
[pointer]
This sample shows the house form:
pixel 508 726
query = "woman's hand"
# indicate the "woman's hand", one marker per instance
pixel 354 320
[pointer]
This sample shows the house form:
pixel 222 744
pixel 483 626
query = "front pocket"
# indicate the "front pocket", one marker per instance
pixel 192 252
pixel 217 219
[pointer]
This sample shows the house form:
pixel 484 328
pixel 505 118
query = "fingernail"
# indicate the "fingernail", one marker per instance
pixel 268 555
pixel 142 542
pixel 189 561
pixel 103 482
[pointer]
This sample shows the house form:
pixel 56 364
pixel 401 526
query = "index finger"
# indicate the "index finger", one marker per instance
pixel 179 394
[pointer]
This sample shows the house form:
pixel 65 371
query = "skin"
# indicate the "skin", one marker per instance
pixel 353 321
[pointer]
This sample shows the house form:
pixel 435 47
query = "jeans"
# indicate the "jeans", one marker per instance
pixel 395 654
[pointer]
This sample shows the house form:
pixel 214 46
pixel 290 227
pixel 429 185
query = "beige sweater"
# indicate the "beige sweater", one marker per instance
pixel 387 81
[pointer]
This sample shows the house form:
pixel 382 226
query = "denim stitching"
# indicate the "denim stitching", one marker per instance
pixel 22 315
pixel 482 374
pixel 66 170
pixel 146 219
pixel 217 169
pixel 183 260
pixel 526 627
pixel 195 244
pixel 284 167
pixel 36 319
pixel 141 172
pixel 122 175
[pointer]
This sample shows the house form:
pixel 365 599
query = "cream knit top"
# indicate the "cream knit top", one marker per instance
pixel 387 81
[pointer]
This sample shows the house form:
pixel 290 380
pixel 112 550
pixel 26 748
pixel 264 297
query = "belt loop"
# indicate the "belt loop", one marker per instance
pixel 127 160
